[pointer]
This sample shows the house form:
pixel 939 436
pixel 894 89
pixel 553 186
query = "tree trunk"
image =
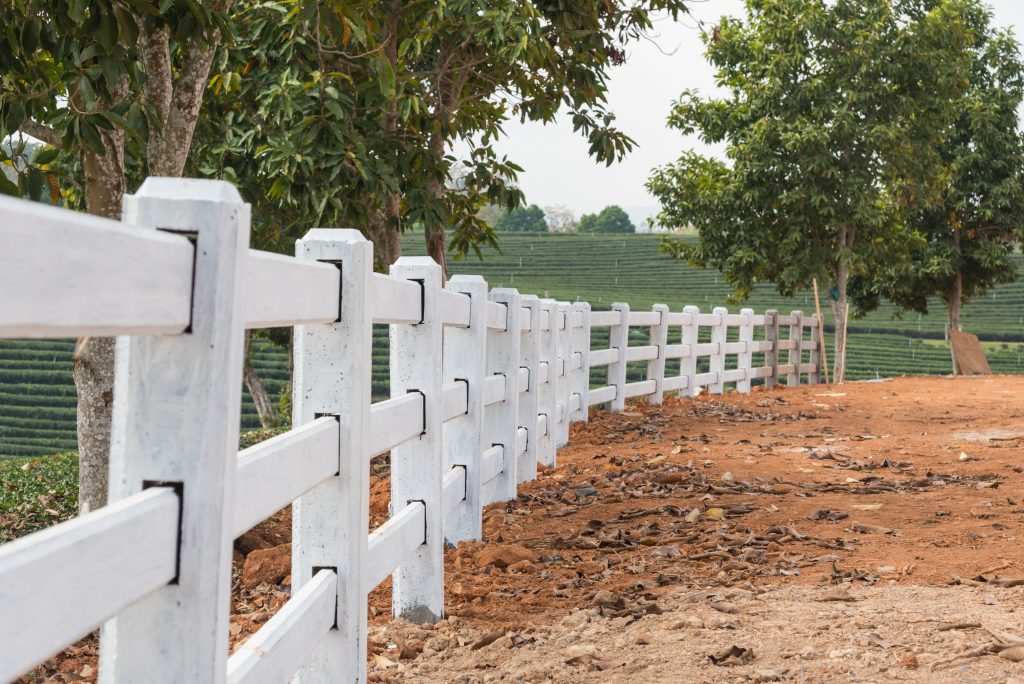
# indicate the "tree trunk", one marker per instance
pixel 264 407
pixel 167 150
pixel 437 250
pixel 839 311
pixel 385 229
pixel 385 234
pixel 177 94
pixel 94 356
pixel 94 381
pixel 437 247
pixel 956 292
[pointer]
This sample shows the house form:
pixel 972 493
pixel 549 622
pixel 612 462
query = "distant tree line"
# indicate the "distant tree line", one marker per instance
pixel 560 219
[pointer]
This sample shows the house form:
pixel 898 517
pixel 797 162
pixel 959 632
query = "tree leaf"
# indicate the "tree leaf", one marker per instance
pixel 45 156
pixel 35 183
pixel 8 187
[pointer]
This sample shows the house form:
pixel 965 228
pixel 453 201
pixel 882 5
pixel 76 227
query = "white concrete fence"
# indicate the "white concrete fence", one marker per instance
pixel 484 384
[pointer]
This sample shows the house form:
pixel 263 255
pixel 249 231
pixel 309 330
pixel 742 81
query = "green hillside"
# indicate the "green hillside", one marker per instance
pixel 37 395
pixel 603 269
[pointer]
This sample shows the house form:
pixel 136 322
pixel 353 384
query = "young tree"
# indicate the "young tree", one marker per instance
pixel 973 229
pixel 478 69
pixel 830 123
pixel 117 87
pixel 611 219
pixel 522 219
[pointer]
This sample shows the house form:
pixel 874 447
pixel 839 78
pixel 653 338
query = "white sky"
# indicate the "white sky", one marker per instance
pixel 557 167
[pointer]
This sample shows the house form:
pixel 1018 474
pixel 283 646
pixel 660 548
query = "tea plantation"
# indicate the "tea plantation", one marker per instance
pixel 37 395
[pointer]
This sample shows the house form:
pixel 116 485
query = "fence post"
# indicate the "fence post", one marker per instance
pixel 546 390
pixel 745 359
pixel 796 332
pixel 175 421
pixel 618 338
pixel 329 524
pixel 771 357
pixel 502 419
pixel 562 387
pixel 580 378
pixel 417 592
pixel 465 358
pixel 656 367
pixel 529 358
pixel 688 364
pixel 814 377
pixel 719 335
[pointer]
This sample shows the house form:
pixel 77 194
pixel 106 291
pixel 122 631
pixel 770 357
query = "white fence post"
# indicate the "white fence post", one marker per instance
pixel 656 366
pixel 688 364
pixel 329 524
pixel 719 335
pixel 465 358
pixel 562 387
pixel 580 377
pixel 771 357
pixel 745 359
pixel 546 396
pixel 814 377
pixel 796 333
pixel 502 419
pixel 175 420
pixel 417 465
pixel 529 358
pixel 618 338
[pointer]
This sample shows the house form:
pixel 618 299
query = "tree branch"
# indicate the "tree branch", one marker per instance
pixel 185 102
pixel 40 132
pixel 155 51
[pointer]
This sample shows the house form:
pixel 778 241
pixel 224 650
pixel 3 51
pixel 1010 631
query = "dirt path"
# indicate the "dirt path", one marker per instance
pixel 849 534
pixel 829 534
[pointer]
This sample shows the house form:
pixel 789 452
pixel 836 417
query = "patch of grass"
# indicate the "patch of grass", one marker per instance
pixel 37 492
pixel 41 491
pixel 250 437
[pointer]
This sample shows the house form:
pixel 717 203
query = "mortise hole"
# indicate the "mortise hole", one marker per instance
pixel 193 237
pixel 424 504
pixel 466 381
pixel 337 418
pixel 179 489
pixel 424 408
pixel 423 299
pixel 334 569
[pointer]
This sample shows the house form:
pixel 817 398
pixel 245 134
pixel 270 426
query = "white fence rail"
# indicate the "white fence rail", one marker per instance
pixel 484 384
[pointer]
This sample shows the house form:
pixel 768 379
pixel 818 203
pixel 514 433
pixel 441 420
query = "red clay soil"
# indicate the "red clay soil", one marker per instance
pixel 670 513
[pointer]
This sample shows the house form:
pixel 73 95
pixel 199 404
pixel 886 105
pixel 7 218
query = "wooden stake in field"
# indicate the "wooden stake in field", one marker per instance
pixel 821 331
pixel 842 364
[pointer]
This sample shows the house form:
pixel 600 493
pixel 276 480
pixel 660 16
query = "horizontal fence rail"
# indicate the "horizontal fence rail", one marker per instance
pixel 276 472
pixel 484 383
pixel 280 646
pixel 115 279
pixel 285 291
pixel 57 585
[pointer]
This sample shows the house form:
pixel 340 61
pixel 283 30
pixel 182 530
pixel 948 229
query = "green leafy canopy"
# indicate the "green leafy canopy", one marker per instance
pixel 828 127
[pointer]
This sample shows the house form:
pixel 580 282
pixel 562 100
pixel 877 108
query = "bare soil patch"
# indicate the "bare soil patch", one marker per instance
pixel 854 533
pixel 857 533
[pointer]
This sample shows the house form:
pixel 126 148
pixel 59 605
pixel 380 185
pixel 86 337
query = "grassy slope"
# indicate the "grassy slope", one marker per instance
pixel 37 399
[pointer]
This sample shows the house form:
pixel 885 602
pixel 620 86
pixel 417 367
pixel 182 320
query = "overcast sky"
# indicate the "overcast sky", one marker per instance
pixel 557 168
